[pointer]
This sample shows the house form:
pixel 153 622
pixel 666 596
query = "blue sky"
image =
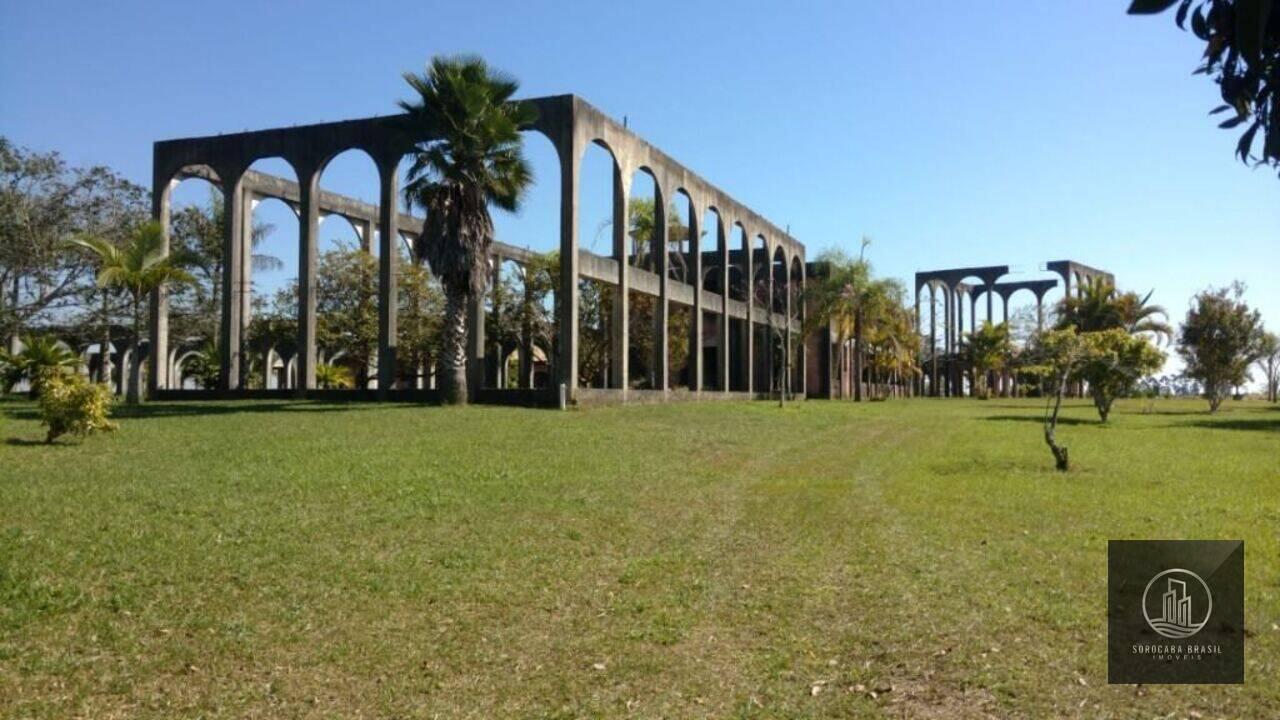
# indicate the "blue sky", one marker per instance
pixel 967 134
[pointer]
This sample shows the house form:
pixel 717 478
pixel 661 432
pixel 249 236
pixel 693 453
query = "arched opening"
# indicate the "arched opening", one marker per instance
pixel 762 305
pixel 196 232
pixel 346 286
pixel 739 290
pixel 779 362
pixel 681 266
pixel 712 246
pixel 795 288
pixel 645 214
pixel 598 308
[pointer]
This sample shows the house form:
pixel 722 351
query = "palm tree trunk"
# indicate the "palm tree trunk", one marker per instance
pixel 857 357
pixel 453 358
pixel 134 393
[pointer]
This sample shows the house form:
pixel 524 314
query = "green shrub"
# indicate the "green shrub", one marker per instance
pixel 70 404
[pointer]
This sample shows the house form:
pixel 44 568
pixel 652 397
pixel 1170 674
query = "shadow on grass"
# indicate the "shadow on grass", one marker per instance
pixel 25 442
pixel 1263 424
pixel 195 409
pixel 1040 420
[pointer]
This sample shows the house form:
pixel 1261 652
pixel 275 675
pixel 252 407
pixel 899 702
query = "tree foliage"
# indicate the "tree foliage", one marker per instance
pixel 1269 363
pixel 1113 364
pixel 136 267
pixel 468 155
pixel 988 349
pixel 43 202
pixel 41 358
pixel 1220 338
pixel 1242 55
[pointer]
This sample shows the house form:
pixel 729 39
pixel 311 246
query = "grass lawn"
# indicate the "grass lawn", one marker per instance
pixel 903 559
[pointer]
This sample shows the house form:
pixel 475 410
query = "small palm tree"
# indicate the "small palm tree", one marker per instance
pixel 469 156
pixel 334 377
pixel 1099 306
pixel 137 268
pixel 40 358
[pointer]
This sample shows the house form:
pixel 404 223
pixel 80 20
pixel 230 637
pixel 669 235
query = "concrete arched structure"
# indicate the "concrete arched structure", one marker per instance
pixel 569 123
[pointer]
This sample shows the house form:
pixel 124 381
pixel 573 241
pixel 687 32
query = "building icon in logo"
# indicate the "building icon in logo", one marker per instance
pixel 1179 617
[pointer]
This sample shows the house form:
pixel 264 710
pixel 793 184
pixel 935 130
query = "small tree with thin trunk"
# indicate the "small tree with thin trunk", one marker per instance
pixel 1058 355
pixel 468 155
pixel 1220 339
pixel 137 268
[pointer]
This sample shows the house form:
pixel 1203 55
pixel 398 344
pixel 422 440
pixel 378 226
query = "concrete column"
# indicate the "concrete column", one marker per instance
pixel 159 325
pixel 567 297
pixel 308 240
pixel 784 377
pixel 662 307
pixel 749 346
pixel 723 358
pixel 620 323
pixel 768 316
pixel 958 372
pixel 695 321
pixel 948 310
pixel 388 273
pixel 244 293
pixel 231 345
pixel 802 361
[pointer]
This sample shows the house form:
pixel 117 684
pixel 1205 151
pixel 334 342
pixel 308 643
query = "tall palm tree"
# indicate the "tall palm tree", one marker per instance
pixel 469 156
pixel 137 268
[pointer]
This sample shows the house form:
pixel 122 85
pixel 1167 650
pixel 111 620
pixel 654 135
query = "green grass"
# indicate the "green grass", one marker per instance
pixel 262 559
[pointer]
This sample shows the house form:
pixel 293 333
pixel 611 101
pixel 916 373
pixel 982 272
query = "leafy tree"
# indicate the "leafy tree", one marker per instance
pixel 1269 363
pixel 468 156
pixel 41 358
pixel 892 340
pixel 43 202
pixel 1221 337
pixel 988 349
pixel 421 304
pixel 136 268
pixel 1114 363
pixel 346 308
pixel 1242 55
